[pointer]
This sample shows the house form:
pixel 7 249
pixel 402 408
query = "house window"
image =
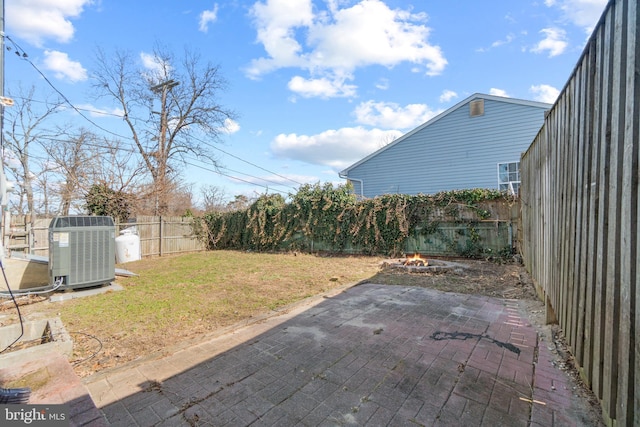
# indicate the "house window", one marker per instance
pixel 509 177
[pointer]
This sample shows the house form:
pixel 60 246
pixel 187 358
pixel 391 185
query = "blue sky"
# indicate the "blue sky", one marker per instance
pixel 317 84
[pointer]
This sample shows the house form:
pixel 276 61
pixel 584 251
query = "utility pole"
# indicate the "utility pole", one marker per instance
pixel 161 183
pixel 5 217
pixel 3 179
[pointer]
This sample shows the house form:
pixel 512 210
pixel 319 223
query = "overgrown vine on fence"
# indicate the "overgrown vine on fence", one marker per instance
pixel 331 218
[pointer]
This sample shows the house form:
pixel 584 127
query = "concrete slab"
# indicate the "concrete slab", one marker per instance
pixel 87 292
pixel 50 336
pixel 370 355
pixel 24 274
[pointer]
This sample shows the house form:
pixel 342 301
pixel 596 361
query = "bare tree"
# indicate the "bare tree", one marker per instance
pixel 213 198
pixel 47 189
pixel 240 202
pixel 387 139
pixel 188 110
pixel 83 160
pixel 119 166
pixel 77 160
pixel 178 197
pixel 25 130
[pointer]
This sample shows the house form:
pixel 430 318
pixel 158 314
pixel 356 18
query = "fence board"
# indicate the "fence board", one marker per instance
pixel 570 213
pixel 578 315
pixel 580 204
pixel 612 315
pixel 603 213
pixel 582 214
pixel 628 216
pixel 592 247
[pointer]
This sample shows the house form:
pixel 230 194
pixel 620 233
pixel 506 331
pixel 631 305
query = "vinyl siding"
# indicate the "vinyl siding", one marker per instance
pixel 454 152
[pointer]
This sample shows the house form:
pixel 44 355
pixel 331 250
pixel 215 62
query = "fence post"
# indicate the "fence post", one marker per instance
pixel 161 237
pixel 29 239
pixel 6 229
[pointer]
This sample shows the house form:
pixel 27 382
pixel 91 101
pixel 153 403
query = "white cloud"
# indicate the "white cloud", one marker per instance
pixel 11 159
pixel 507 40
pixel 447 95
pixel 207 17
pixel 382 84
pixel 335 148
pixel 323 87
pixel 40 20
pixel 555 42
pixel 276 22
pixel 544 93
pixel 339 40
pixel 389 115
pixel 63 67
pixel 583 13
pixel 100 112
pixel 231 126
pixel 498 92
pixel 156 69
pixel 150 62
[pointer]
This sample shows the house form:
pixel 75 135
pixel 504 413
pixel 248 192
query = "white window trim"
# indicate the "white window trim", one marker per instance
pixel 509 183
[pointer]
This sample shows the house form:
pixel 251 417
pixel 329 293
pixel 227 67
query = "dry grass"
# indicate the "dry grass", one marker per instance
pixel 181 297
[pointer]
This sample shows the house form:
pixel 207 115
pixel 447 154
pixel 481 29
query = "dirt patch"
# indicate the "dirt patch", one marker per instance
pixel 507 280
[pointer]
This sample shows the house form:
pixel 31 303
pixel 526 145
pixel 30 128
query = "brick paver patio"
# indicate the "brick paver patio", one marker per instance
pixel 370 355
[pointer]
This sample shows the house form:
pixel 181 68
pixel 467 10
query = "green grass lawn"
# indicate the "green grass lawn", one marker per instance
pixel 181 297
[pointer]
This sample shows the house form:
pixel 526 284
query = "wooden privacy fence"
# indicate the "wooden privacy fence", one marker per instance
pixel 165 235
pixel 580 212
pixel 158 235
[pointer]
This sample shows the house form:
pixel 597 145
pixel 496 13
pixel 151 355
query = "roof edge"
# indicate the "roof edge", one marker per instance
pixel 445 113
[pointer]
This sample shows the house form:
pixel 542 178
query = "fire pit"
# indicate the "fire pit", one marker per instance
pixel 417 263
pixel 416 260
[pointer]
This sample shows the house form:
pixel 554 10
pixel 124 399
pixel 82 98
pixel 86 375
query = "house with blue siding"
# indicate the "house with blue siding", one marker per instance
pixel 477 143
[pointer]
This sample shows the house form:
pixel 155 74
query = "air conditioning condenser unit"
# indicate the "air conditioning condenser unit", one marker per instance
pixel 81 251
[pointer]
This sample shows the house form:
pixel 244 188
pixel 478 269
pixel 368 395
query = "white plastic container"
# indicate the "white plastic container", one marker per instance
pixel 127 246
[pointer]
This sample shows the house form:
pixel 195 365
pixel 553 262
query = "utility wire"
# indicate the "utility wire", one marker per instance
pixel 25 57
pixel 88 110
pixel 246 161
pixel 249 175
pixel 185 160
pixel 234 177
pixel 13 298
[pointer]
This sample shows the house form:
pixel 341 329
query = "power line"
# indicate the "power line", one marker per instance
pixel 252 176
pixel 24 57
pixel 246 161
pixel 136 151
pixel 235 178
pixel 88 110
pixel 218 172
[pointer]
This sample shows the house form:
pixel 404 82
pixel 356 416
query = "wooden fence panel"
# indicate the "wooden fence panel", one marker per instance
pixel 158 235
pixel 580 204
pixel 167 235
